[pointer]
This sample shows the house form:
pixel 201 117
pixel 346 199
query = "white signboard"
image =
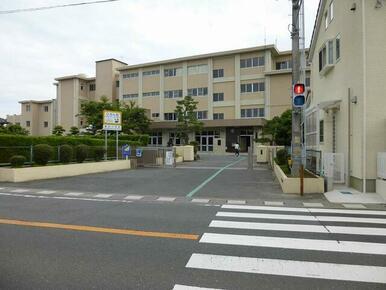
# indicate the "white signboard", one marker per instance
pixel 169 159
pixel 112 120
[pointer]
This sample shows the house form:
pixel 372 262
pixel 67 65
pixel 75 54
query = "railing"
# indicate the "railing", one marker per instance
pixel 381 165
pixel 314 161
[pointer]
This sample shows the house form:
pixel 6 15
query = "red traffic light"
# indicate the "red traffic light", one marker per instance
pixel 298 89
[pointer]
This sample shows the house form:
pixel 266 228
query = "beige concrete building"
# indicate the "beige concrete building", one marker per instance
pixel 346 116
pixel 236 92
pixel 38 117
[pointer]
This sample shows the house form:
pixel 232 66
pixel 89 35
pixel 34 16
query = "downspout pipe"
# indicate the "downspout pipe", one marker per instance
pixel 364 131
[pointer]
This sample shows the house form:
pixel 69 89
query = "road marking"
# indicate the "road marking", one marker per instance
pixel 184 287
pixel 20 190
pixel 295 243
pixel 134 197
pixel 74 193
pixel 233 201
pixel 200 200
pixel 299 228
pixel 46 192
pixel 210 178
pixel 164 198
pixel 313 204
pixel 301 209
pixel 345 272
pixel 301 217
pixel 274 203
pixel 102 195
pixel 100 229
pixel 353 205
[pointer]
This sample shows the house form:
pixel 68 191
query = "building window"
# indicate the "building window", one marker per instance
pixel 198 92
pixel 322 58
pixel 81 87
pixel 252 113
pixel 28 108
pixel 151 94
pixel 321 131
pixel 284 64
pixel 170 116
pixel 218 73
pixel 117 84
pixel 218 116
pixel 173 94
pixel 130 75
pixel 337 47
pixel 252 62
pixel 330 52
pixel 173 72
pixel 130 96
pixel 202 115
pixel 198 69
pixel 252 87
pixel 331 11
pixel 45 108
pixel 155 139
pixel 45 124
pixel 174 139
pixel 218 97
pixel 92 87
pixel 151 73
pixel 308 81
pixel 155 115
pixel 28 123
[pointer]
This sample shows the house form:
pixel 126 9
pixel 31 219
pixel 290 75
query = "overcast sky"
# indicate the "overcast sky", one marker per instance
pixel 36 47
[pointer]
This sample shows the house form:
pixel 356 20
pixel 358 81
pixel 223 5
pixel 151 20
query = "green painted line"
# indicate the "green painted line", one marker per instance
pixel 210 178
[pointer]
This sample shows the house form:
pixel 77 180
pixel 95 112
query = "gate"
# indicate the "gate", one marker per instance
pixel 333 166
pixel 155 157
pixel 314 161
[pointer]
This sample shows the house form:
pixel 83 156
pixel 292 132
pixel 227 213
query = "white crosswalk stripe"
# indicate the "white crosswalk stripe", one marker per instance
pixel 269 227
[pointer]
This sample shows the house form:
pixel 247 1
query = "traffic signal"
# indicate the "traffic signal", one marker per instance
pixel 298 98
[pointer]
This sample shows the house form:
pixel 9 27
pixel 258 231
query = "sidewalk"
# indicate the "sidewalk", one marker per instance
pixel 350 195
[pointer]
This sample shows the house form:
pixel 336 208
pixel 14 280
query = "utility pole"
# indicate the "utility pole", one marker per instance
pixel 296 146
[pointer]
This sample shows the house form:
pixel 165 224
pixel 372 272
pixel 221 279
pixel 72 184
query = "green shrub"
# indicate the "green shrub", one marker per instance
pixel 81 152
pixel 99 153
pixel 282 157
pixel 17 161
pixel 42 154
pixel 66 153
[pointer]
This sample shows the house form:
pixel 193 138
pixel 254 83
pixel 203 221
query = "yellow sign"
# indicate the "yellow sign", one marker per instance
pixel 112 120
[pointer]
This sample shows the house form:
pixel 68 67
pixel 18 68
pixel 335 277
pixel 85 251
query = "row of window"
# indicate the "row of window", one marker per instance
pixel 198 69
pixel 28 108
pixel 252 87
pixel 151 94
pixel 198 92
pixel 28 124
pixel 252 113
pixel 203 115
pixel 151 72
pixel 252 62
pixel 329 53
pixel 287 64
pixel 173 94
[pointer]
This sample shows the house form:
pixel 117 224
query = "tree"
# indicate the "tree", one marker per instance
pixel 13 130
pixel 134 119
pixel 74 131
pixel 93 112
pixel 278 130
pixel 187 119
pixel 58 130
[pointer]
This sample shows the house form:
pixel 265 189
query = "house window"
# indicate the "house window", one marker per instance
pixel 337 47
pixel 130 75
pixel 117 84
pixel 198 92
pixel 330 52
pixel 198 69
pixel 28 108
pixel 218 97
pixel 45 108
pixel 322 58
pixel 218 73
pixel 331 11
pixel 308 81
pixel 45 124
pixel 252 62
pixel 321 131
pixel 155 115
pixel 81 87
pixel 170 116
pixel 130 96
pixel 92 87
pixel 284 64
pixel 326 20
pixel 151 94
pixel 173 72
pixel 252 87
pixel 202 115
pixel 173 94
pixel 28 123
pixel 218 116
pixel 155 139
pixel 151 73
pixel 252 113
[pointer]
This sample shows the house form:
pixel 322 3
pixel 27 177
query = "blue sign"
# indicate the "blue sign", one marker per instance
pixel 138 152
pixel 126 151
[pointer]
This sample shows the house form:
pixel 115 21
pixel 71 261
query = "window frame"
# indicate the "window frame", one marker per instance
pixel 218 116
pixel 218 73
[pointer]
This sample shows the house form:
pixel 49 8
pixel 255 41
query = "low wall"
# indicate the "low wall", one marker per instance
pixel 55 171
pixel 381 187
pixel 186 152
pixel 292 184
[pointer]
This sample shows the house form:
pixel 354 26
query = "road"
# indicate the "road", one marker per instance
pixel 68 240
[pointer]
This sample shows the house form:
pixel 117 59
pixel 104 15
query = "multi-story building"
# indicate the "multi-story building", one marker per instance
pixel 346 112
pixel 38 117
pixel 236 92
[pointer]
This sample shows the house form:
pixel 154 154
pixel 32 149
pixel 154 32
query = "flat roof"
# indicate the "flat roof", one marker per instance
pixel 108 59
pixel 36 101
pixel 78 76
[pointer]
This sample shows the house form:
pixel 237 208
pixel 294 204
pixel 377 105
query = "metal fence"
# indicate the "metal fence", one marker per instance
pixel 314 161
pixel 154 156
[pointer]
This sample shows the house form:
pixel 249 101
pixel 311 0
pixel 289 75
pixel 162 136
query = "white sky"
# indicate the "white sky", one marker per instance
pixel 36 47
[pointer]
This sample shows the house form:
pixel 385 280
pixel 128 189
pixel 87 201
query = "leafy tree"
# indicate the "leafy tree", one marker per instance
pixel 58 130
pixel 278 130
pixel 13 130
pixel 74 131
pixel 134 119
pixel 186 118
pixel 93 112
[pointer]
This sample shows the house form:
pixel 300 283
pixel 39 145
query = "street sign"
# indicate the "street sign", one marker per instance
pixel 126 151
pixel 169 159
pixel 112 120
pixel 138 152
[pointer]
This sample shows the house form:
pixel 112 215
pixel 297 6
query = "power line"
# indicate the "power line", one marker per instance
pixel 53 6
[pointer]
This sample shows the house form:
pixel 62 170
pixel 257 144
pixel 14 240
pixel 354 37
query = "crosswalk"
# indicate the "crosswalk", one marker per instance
pixel 328 245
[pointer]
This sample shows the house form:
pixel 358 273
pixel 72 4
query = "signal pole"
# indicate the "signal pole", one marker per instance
pixel 296 146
